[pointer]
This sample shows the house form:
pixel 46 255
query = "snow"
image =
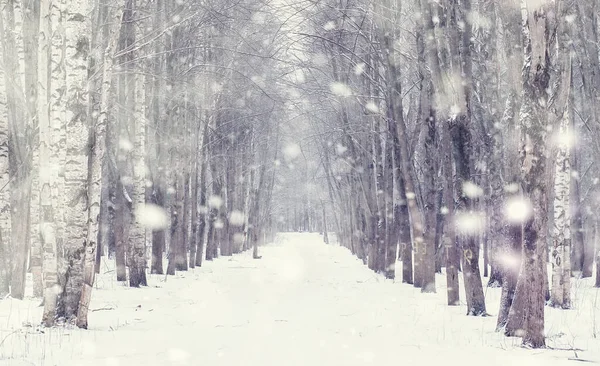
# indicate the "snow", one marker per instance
pixel 472 190
pixel 340 89
pixel 237 218
pixel 359 69
pixel 565 138
pixel 329 26
pixel 518 210
pixel 152 217
pixel 372 107
pixel 303 303
pixel 340 149
pixel 215 201
pixel 469 222
pixel 291 151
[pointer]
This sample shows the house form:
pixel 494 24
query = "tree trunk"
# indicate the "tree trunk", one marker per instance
pixel 121 232
pixel 137 238
pixel 98 152
pixel 452 254
pixel 462 137
pixel 77 49
pixel 14 63
pixel 534 121
pixel 5 210
pixel 561 253
pixel 30 13
pixel 202 213
pixel 48 156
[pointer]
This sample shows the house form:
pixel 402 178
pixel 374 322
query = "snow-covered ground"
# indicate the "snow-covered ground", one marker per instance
pixel 303 303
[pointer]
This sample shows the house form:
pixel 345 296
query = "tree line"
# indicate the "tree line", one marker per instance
pixel 129 125
pixel 450 130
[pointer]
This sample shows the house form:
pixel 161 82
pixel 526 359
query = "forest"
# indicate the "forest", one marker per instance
pixel 434 140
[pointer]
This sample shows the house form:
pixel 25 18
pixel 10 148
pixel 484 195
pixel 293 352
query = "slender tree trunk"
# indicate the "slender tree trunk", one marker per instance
pixel 561 238
pixel 77 47
pixel 577 229
pixel 98 152
pixel 31 20
pixel 5 211
pixel 597 252
pixel 137 238
pixel 121 232
pixel 48 156
pixel 19 160
pixel 452 254
pixel 202 213
pixel 159 182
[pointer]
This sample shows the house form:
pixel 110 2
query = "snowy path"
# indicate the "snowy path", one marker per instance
pixel 303 303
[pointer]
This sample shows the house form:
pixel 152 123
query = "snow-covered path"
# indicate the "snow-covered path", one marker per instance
pixel 303 303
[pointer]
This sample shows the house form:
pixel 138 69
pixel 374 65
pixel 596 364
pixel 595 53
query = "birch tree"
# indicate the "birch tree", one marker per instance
pixel 5 211
pixel 77 48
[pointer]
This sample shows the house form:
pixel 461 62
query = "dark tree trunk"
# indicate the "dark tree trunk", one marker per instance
pixel 121 232
pixel 202 213
pixel 510 251
pixel 595 241
pixel 325 228
pixel 450 238
pixel 470 258
pixel 158 238
pixel 177 252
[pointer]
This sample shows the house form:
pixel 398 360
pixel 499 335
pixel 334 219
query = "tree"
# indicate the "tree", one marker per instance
pixel 537 29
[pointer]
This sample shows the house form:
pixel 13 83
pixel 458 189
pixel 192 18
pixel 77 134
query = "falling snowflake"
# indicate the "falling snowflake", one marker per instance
pixel 518 210
pixel 291 151
pixel 125 144
pixel 510 261
pixel 511 188
pixel 152 217
pixel 340 149
pixel 472 190
pixel 565 138
pixel 329 26
pixel 469 223
pixel 359 69
pixel 237 218
pixel 340 89
pixel 454 111
pixel 372 107
pixel 215 201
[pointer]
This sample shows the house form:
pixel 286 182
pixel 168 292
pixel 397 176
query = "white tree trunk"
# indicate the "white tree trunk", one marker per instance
pixel 4 170
pixel 95 180
pixel 47 171
pixel 15 80
pixel 59 125
pixel 137 245
pixel 37 58
pixel 561 253
pixel 77 46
